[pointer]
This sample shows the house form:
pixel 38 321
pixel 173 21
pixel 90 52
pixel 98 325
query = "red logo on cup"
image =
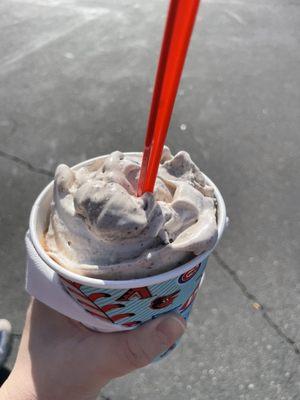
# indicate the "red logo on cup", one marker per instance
pixel 189 274
pixel 164 301
pixel 131 324
pixel 139 293
pixel 190 300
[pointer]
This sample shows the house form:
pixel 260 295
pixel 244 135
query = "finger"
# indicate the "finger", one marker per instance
pixel 135 349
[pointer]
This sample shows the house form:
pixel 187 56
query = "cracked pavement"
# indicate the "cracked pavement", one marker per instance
pixel 75 82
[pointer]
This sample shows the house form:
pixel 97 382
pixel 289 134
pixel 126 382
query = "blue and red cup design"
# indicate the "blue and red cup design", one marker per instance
pixel 132 307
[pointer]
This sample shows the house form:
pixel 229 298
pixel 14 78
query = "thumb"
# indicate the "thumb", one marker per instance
pixel 135 349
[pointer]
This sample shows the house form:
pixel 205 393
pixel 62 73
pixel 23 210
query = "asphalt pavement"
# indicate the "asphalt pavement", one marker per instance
pixel 76 80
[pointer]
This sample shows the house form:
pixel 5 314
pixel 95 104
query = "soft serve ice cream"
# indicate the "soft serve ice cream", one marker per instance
pixel 99 228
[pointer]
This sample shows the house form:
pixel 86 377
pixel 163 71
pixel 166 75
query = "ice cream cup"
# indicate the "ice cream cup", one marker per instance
pixel 125 304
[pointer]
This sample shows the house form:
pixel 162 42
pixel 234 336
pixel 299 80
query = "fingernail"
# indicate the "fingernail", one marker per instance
pixel 172 327
pixel 179 321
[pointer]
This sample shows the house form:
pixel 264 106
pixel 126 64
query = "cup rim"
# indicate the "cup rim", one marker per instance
pixel 120 284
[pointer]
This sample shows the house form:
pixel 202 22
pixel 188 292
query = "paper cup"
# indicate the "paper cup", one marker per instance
pixel 125 304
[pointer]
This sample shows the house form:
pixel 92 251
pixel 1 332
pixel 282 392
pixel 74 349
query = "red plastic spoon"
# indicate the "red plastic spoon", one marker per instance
pixel 177 35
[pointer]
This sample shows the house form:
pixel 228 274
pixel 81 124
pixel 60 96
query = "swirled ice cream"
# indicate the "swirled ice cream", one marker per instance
pixel 99 228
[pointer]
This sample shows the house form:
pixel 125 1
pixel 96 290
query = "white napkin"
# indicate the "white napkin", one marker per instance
pixel 43 283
